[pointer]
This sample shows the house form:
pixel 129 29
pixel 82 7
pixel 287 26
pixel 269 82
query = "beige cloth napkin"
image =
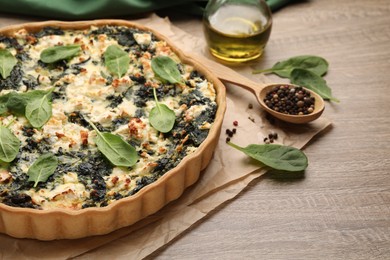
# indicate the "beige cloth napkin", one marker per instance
pixel 227 175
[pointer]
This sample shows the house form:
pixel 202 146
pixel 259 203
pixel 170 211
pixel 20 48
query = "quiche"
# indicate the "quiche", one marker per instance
pixel 102 123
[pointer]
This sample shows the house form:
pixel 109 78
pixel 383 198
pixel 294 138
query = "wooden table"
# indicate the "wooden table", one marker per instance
pixel 340 208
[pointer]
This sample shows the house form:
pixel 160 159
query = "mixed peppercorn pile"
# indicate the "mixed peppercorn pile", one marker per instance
pixel 290 100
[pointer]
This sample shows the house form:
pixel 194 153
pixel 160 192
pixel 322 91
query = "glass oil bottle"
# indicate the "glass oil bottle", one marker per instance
pixel 237 30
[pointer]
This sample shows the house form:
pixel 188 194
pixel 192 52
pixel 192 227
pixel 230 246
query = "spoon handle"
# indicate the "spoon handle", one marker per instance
pixel 227 74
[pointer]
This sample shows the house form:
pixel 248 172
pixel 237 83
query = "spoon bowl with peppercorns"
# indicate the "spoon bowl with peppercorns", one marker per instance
pixel 287 102
pixel 290 103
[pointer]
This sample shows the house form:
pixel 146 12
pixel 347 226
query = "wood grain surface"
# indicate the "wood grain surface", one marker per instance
pixel 340 207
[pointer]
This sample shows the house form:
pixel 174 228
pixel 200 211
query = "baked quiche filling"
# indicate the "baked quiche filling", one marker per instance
pixel 85 103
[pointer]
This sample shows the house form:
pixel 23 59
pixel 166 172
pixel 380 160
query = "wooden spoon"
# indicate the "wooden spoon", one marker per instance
pixel 260 90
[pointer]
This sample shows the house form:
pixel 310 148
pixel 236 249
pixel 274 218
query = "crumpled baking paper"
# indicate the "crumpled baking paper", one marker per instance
pixel 229 172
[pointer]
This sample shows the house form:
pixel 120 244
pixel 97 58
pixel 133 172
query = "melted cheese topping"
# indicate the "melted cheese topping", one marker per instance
pixel 85 90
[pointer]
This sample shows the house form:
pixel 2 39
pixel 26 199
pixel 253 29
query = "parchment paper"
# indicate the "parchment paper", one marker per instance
pixel 228 174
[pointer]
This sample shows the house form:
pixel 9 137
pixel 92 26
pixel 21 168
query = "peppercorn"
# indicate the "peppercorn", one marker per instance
pixel 290 100
pixel 235 123
pixel 250 106
pixel 230 133
pixel 270 138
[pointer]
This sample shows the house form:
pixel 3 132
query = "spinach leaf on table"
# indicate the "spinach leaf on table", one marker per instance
pixel 312 81
pixel 279 157
pixel 315 64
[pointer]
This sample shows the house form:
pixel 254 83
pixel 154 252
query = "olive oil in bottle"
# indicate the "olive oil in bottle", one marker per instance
pixel 237 32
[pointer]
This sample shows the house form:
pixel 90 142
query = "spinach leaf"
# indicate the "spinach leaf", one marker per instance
pixel 166 68
pixel 57 53
pixel 16 103
pixel 3 103
pixel 35 105
pixel 116 60
pixel 161 117
pixel 310 80
pixel 42 168
pixel 315 64
pixel 115 149
pixel 9 145
pixel 39 110
pixel 7 63
pixel 276 156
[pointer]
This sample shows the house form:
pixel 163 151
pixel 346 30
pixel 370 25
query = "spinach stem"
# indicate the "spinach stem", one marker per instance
pixel 155 98
pixel 262 71
pixel 95 128
pixel 10 122
pixel 235 146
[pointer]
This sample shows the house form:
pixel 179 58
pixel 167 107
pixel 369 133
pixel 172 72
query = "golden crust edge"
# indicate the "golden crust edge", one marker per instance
pixel 69 224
